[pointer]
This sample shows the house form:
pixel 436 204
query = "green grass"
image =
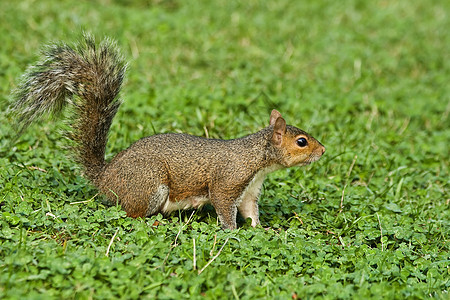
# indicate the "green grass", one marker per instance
pixel 369 79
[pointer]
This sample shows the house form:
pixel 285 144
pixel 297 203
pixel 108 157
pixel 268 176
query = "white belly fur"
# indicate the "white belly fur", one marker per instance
pixel 251 191
pixel 191 202
pixel 254 187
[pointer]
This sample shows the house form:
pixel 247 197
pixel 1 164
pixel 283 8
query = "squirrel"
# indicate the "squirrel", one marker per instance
pixel 160 173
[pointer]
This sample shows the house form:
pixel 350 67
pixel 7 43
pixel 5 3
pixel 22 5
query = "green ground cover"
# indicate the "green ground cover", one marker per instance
pixel 369 79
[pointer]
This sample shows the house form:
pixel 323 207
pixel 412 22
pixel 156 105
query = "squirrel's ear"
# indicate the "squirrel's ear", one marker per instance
pixel 279 129
pixel 274 115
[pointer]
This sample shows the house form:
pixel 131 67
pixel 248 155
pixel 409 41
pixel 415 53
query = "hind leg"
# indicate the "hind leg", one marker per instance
pixel 141 190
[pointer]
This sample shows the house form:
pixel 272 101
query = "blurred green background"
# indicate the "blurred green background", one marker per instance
pixel 369 79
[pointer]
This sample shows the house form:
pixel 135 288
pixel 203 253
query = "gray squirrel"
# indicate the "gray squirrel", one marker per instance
pixel 163 172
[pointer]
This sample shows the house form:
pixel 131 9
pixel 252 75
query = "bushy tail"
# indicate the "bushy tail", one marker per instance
pixel 92 73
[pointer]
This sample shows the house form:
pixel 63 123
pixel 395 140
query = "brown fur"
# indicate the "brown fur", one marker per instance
pixel 163 172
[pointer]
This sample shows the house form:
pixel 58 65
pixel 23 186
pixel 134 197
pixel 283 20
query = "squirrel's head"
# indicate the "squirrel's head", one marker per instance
pixel 297 148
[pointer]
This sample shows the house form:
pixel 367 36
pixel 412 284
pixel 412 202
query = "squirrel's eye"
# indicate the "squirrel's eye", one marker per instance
pixel 302 142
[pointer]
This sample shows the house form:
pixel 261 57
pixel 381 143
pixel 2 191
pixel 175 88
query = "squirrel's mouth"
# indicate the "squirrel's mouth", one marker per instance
pixel 304 163
pixel 310 159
